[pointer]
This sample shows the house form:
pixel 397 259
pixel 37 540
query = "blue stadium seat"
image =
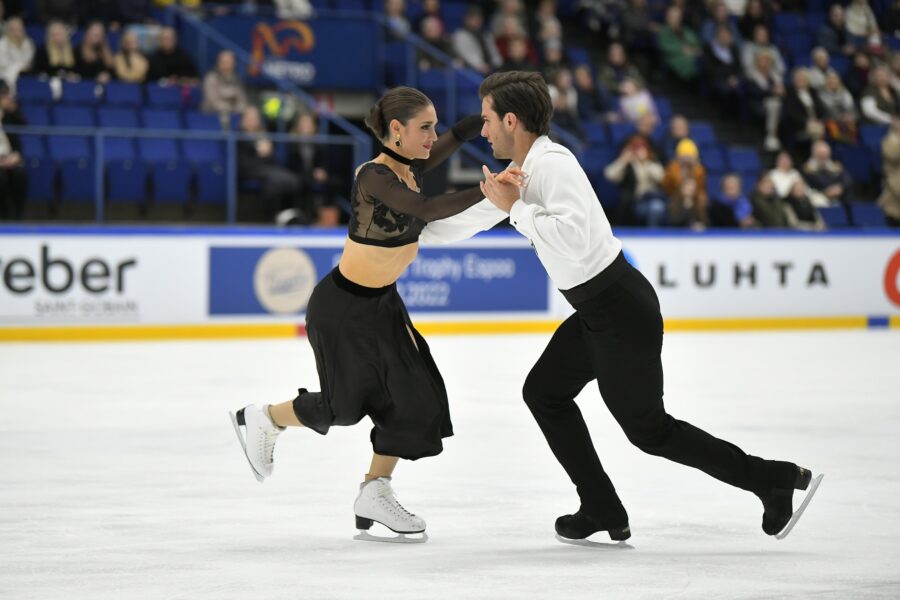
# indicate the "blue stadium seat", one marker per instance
pixel 202 121
pixel 203 151
pixel 714 184
pixel 788 23
pixel 211 183
pixel 744 160
pixel 33 146
pixel 117 93
pixel 596 133
pixel 41 178
pixel 69 147
pixel 126 181
pixel 433 83
pixel 453 14
pixel 78 183
pixel 395 63
pixel 867 214
pixel 172 182
pixel 841 64
pixel 164 96
pixel 118 148
pixel 834 216
pixel 73 116
pixel 856 161
pixel 594 160
pixel 159 150
pixel 619 132
pixel 712 159
pixel 33 91
pixel 873 134
pixel 36 114
pixel 702 133
pixel 124 118
pixel 79 93
pixel 161 118
pixel 664 108
pixel 578 56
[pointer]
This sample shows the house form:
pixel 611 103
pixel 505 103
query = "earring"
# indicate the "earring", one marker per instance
pixel 397 143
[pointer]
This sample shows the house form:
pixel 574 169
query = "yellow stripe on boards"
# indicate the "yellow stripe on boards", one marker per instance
pixel 146 332
pixel 766 323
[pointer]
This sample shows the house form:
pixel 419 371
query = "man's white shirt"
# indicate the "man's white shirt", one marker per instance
pixel 557 210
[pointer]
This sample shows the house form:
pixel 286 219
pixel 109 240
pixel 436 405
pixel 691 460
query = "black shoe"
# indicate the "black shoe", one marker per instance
pixel 777 502
pixel 581 525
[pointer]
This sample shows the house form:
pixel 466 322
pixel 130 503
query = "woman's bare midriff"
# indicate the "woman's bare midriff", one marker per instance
pixel 375 266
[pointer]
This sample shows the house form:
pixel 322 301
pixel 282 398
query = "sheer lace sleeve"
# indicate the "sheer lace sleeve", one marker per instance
pixel 379 183
pixel 450 141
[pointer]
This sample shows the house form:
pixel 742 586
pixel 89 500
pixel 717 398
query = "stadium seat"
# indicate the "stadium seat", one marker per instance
pixel 596 133
pixel 123 118
pixel 203 151
pixel 856 161
pixel 712 159
pixel 619 132
pixel 702 133
pixel 117 93
pixel 745 160
pixel 126 181
pixel 73 116
pixel 33 146
pixel 36 114
pixel 79 93
pixel 202 121
pixel 161 118
pixel 69 147
pixel 211 183
pixel 172 182
pixel 834 216
pixel 118 148
pixel 33 91
pixel 867 214
pixel 41 178
pixel 78 180
pixel 164 96
pixel 159 150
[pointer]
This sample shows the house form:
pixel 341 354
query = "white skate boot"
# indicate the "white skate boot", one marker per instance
pixel 261 434
pixel 377 503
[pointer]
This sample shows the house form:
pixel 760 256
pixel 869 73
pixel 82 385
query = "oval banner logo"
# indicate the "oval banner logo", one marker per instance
pixel 283 280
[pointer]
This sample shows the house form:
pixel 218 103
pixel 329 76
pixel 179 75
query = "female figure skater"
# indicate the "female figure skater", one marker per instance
pixel 370 359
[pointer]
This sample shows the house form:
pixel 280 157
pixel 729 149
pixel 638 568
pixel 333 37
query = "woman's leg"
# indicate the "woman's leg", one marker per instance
pixel 382 466
pixel 283 415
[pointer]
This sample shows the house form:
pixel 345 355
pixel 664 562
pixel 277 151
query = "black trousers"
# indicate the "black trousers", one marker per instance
pixel 13 190
pixel 615 338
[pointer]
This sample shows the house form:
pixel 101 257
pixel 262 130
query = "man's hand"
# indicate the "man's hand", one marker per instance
pixel 503 189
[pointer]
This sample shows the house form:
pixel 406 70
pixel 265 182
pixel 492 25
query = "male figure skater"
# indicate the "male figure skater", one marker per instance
pixel 615 334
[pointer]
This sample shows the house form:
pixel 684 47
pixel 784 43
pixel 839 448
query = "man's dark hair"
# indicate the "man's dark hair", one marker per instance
pixel 522 93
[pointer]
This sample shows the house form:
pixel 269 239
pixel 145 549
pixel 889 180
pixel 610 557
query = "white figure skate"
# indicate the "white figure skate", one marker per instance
pixel 377 503
pixel 258 438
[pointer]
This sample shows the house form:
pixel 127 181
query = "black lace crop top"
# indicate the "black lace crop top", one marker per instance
pixel 386 212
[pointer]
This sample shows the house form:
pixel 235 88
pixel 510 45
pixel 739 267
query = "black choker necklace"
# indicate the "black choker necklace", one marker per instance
pixel 398 157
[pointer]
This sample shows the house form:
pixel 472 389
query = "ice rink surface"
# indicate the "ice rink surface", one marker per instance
pixel 121 478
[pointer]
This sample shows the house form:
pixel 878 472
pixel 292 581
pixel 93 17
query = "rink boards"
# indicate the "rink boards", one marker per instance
pixel 163 283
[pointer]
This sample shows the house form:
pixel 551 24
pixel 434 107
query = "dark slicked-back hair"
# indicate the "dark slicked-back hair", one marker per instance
pixel 401 103
pixel 522 93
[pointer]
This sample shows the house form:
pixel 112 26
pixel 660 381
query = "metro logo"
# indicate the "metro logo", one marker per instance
pixel 891 287
pixel 299 36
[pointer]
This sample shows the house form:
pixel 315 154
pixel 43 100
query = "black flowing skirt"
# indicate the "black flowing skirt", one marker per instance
pixel 368 365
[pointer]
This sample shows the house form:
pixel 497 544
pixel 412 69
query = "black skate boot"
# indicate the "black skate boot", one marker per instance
pixel 778 502
pixel 581 525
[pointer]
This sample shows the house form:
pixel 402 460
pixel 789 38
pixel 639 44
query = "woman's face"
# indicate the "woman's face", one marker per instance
pixel 58 34
pixel 417 136
pixel 784 162
pixel 130 42
pixel 766 186
pixel 94 35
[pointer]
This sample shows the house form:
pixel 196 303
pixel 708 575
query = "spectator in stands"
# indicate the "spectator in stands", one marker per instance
pixel 827 179
pixel 857 78
pixel 256 161
pixel 289 9
pixel 554 60
pixel 833 34
pixel 731 207
pixel 590 101
pixel 638 33
pixel 517 59
pixel 859 20
pixel 819 69
pixel 889 200
pixel 616 70
pixel 514 32
pixel 433 33
pixel 509 9
pixel 679 129
pixel 94 59
pixel 802 112
pixel 564 97
pixel 645 130
pixel 223 91
pixel 723 69
pixel 397 24
pixel 56 57
pixel 762 44
pixel 755 15
pixel 545 26
pixel 895 71
pixel 16 51
pixel 784 175
pixel 319 188
pixel 635 102
pixel 63 11
pixel 764 95
pixel 131 64
pixel 769 209
pixel 171 64
pixel 13 177
pixel 840 110
pixel 679 46
pixel 880 102
pixel 718 18
pixel 638 173
pixel 430 9
pixel 891 20
pixel 687 207
pixel 801 212
pixel 473 45
pixel 685 165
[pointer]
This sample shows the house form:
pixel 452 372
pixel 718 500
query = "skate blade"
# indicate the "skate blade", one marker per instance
pixel 237 430
pixel 623 545
pixel 797 513
pixel 400 538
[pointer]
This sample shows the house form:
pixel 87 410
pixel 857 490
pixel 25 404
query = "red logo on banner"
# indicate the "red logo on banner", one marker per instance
pixel 890 279
pixel 299 36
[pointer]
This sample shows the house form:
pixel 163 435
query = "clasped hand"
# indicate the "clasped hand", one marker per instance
pixel 503 189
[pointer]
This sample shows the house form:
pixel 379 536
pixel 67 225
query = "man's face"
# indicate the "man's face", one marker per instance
pixel 495 130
